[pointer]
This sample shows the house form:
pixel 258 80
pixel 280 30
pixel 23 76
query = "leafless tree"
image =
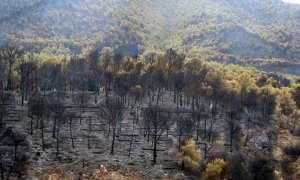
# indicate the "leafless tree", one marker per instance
pixel 59 112
pixel 12 152
pixel 112 111
pixel 215 115
pixel 72 120
pixel 37 107
pixel 81 100
pixel 5 98
pixel 90 123
pixel 57 109
pixel 157 121
pixel 184 126
pixel 233 127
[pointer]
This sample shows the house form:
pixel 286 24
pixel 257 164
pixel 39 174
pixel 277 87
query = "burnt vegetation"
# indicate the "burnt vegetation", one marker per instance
pixel 149 89
pixel 201 118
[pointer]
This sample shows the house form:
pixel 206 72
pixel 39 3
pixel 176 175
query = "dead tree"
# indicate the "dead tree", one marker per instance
pixel 214 117
pixel 61 121
pixel 157 121
pixel 8 161
pixel 136 93
pixel 90 123
pixel 81 101
pixel 72 119
pixel 94 73
pixel 198 114
pixel 146 129
pixel 37 108
pixel 207 147
pixel 112 111
pixel 233 127
pixel 46 114
pixel 30 115
pixel 12 153
pixel 58 110
pixel 184 127
pixel 5 98
pixel 135 120
pixel 249 131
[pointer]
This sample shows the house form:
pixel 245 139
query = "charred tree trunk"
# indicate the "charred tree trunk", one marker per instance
pixel 57 143
pixel 42 129
pixel 113 141
pixel 71 135
pixel 54 127
pixel 154 152
pixel 31 125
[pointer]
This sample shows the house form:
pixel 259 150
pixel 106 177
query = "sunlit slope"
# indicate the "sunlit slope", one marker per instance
pixel 266 29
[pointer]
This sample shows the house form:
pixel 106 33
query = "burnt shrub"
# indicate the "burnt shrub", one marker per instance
pixel 262 168
pixel 293 151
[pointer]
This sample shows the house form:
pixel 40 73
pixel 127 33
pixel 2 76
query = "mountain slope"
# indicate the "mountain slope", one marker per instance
pixel 242 31
pixel 240 27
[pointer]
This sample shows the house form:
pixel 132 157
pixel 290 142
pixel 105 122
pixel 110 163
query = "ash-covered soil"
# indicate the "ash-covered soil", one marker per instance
pixel 133 149
pixel 80 158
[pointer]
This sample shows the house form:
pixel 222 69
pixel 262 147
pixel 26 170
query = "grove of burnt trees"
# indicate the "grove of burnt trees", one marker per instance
pixel 203 96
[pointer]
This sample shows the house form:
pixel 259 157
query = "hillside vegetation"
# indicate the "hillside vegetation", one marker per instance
pixel 152 89
pixel 163 111
pixel 264 34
